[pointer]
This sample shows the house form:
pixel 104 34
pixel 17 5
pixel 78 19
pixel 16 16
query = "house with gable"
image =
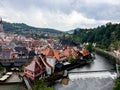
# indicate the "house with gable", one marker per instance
pixel 51 57
pixel 22 51
pixel 49 60
pixel 6 56
pixel 35 69
pixel 68 51
pixel 85 54
pixel 7 53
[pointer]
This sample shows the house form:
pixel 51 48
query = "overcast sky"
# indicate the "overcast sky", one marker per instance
pixel 61 14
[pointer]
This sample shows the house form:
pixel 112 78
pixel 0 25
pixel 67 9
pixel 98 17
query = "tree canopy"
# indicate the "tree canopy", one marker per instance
pixel 106 36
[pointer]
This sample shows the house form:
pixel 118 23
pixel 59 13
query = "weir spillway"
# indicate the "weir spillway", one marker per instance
pixel 99 75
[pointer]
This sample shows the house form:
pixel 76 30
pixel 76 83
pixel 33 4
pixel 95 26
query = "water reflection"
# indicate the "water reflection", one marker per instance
pixel 91 81
pixel 99 63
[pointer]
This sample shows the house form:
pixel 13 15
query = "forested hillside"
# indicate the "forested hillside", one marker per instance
pixel 106 36
pixel 21 28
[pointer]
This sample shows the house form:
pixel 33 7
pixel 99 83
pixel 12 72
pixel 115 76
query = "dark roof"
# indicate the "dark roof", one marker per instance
pixel 22 49
pixel 5 54
pixel 18 43
pixel 59 65
pixel 18 64
pixel 20 60
pixel 68 42
pixel 32 53
pixel 5 64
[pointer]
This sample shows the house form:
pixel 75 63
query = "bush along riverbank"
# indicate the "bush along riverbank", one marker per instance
pixel 41 85
pixel 117 81
pixel 117 84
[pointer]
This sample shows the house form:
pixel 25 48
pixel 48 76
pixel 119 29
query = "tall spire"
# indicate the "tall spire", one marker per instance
pixel 1 25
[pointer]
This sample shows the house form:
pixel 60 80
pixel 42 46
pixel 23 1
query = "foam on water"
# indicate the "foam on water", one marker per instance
pixel 74 76
pixel 89 81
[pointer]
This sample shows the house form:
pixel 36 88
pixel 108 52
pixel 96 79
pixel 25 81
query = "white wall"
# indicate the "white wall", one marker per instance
pixel 51 62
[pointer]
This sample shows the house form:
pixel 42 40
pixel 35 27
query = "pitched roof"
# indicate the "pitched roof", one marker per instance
pixel 84 52
pixel 22 49
pixel 44 61
pixel 34 65
pixel 66 52
pixel 54 53
pixel 59 55
pixel 5 53
pixel 49 52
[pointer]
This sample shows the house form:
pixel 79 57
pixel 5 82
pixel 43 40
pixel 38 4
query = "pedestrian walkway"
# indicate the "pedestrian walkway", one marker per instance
pixel 27 83
pixel 14 78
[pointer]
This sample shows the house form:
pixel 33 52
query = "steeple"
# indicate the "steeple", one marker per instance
pixel 1 25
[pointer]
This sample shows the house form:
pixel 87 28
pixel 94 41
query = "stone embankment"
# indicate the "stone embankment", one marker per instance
pixel 111 56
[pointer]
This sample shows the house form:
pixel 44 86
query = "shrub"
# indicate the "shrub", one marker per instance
pixel 41 85
pixel 71 59
pixel 1 68
pixel 117 84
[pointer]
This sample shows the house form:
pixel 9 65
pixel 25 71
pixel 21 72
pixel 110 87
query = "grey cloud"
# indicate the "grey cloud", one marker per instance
pixel 51 5
pixel 102 11
pixel 50 9
pixel 17 4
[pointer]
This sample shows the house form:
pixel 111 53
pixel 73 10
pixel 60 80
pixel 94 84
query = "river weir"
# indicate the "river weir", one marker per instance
pixel 99 75
pixel 75 76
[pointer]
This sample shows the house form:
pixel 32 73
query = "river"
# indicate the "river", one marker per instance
pixel 83 81
pixel 13 87
pixel 91 80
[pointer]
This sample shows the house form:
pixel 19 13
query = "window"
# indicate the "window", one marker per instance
pixel 25 70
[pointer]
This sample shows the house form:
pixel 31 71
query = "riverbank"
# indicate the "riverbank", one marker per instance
pixel 109 55
pixel 13 87
pixel 83 79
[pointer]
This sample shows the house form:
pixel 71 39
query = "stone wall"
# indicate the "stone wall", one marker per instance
pixel 109 55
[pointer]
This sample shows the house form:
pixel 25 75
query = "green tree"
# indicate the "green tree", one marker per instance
pixel 41 85
pixel 1 68
pixel 105 36
pixel 89 47
pixel 71 59
pixel 117 84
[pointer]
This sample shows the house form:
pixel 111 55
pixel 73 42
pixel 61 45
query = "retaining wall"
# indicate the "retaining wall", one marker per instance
pixel 109 55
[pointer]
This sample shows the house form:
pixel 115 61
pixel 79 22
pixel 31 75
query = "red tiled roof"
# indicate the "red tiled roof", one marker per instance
pixel 54 53
pixel 49 52
pixel 66 52
pixel 85 52
pixel 45 62
pixel 59 55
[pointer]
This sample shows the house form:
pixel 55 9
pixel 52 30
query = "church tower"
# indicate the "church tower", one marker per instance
pixel 1 25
